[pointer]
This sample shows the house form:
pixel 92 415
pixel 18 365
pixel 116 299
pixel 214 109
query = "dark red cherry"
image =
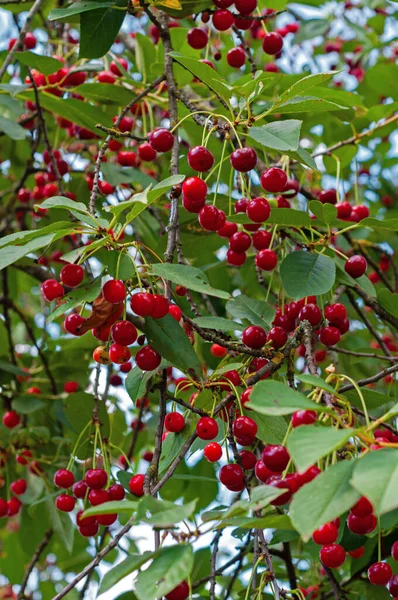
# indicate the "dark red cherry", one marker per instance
pixel 254 336
pixel 272 44
pixel 258 210
pixel 200 159
pixel 273 180
pixel 266 260
pixel 239 241
pixel 356 266
pixel 275 457
pixel 197 38
pixel 236 57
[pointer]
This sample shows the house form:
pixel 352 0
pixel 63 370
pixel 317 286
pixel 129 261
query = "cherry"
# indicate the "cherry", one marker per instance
pixel 209 218
pixel 101 355
pixel 335 312
pixel 303 417
pixel 379 573
pixel 273 179
pixel 272 44
pixel 206 428
pixel 231 475
pixel 218 351
pixel 105 188
pixel 246 397
pixel 161 139
pixel 329 336
pixel 311 313
pixel 106 77
pixel 84 521
pixel 146 152
pixel 241 205
pixel 29 41
pixel 236 57
pixel 174 422
pixel 101 334
pixel 114 291
pixel 258 210
pixel 240 241
pixel 332 556
pixel 11 419
pixel 278 482
pixel 148 359
pixel 72 275
pixel 65 503
pixel 275 457
pixel 261 240
pixel 142 304
pixel 20 458
pixel 136 485
pixel 254 337
pixel 243 159
pixel 197 38
pixel 236 259
pixel 227 230
pixel 243 23
pixel 19 487
pixel 89 530
pixel 212 452
pixel 223 3
pixel 52 289
pixel 328 197
pixel 277 336
pixel 72 323
pixel 124 333
pixel 356 266
pixel 361 525
pixel 262 472
pixel 266 260
pixel 127 158
pixel 119 354
pixel 193 205
pixel 393 585
pixel 80 489
pixel 245 7
pixel 96 479
pixel 126 368
pixel 64 478
pixel 394 551
pixel 14 506
pixel 161 307
pixel 97 497
pixel 357 553
pixel 327 534
pixel 175 312
pixel 343 210
pixel 3 508
pixel 194 189
pixel 362 508
pixel 106 519
pixel 248 459
pixel 181 592
pixel 359 212
pixel 222 20
pixel 200 159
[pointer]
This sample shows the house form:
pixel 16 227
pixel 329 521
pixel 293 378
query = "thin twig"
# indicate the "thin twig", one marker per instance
pixel 32 564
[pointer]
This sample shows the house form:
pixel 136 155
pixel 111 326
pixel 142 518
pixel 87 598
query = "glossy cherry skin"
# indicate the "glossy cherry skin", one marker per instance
pixel 227 230
pixel 161 307
pixel 200 159
pixel 362 508
pixel 19 487
pixel 209 218
pixel 174 422
pixel 136 485
pixel 393 586
pixel 236 259
pixel 248 459
pixel 261 239
pixel 356 266
pixel 52 289
pixel 258 210
pixel 311 313
pixel 303 417
pixel 282 484
pixel 240 241
pixel 328 196
pixel 244 426
pixel 222 20
pixel 332 556
pixel 361 525
pixel 148 359
pixel 394 551
pixel 114 291
pixel 72 275
pixel 343 210
pixel 197 38
pixel 359 212
pixel 379 573
pixel 254 337
pixel 275 457
pixel 236 57
pixel 272 43
pixel 357 553
pixel 64 478
pixel 142 304
pixel 212 452
pixel 329 336
pixel 80 489
pixel 181 592
pixel 327 534
pixel 194 189
pixel 273 180
pixel 124 333
pixel 243 159
pixel 206 428
pixel 11 419
pixel 277 336
pixel 266 260
pixel 335 312
pixel 96 479
pixel 231 475
pixel 97 497
pixel 72 323
pixel 146 152
pixel 161 139
pixel 65 503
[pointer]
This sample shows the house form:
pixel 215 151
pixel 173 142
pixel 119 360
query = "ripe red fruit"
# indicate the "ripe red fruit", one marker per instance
pixel 243 159
pixel 231 475
pixel 236 259
pixel 282 484
pixel 148 359
pixel 96 479
pixel 356 266
pixel 3 508
pixel 107 519
pixel 332 556
pixel 161 307
pixel 181 592
pixel 272 44
pixel 362 508
pixel 254 337
pixel 329 336
pixel 236 57
pixel 227 230
pixel 357 553
pixel 200 159
pixel 161 139
pixel 335 312
pixel 261 239
pixel 80 489
pixel 142 304
pixel 248 459
pixel 218 351
pixel 72 275
pixel 174 422
pixel 379 573
pixel 197 38
pixel 124 333
pixel 119 354
pixel 72 323
pixel 273 179
pixel 277 336
pixel 106 77
pixel 84 521
pixel 127 158
pixel 114 291
pixel 311 313
pixel 245 7
pixel 222 20
pixel 258 210
pixel 126 368
pixel 206 428
pixel 328 196
pixel 11 419
pixel 327 534
pixel 20 458
pixel 175 312
pixel 19 487
pixel 14 505
pixel 243 23
pixel 275 457
pixel 209 218
pixel 393 586
pixel 146 152
pixel 244 427
pixel 97 497
pixel 29 41
pixel 343 210
pixel 136 485
pixel 64 478
pixel 193 205
pixel 116 492
pixel 194 189
pixel 303 417
pixel 212 452
pixel 89 530
pixel 262 472
pixel 65 503
pixel 394 551
pixel 359 212
pixel 361 525
pixel 266 260
pixel 51 289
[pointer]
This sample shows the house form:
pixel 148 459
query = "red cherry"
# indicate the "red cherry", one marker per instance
pixel 14 505
pixel 106 519
pixel 174 422
pixel 332 556
pixel 261 240
pixel 393 586
pixel 89 530
pixel 84 521
pixel 52 289
pixel 127 158
pixel 266 260
pixel 303 417
pixel 65 503
pixel 96 479
pixel 80 489
pixel 394 551
pixel 106 77
pixel 64 478
pixel 218 351
pixel 358 553
pixel 29 41
pixel 231 475
pixel 222 20
pixel 243 159
pixel 20 458
pixel 136 485
pixel 248 459
pixel 119 354
pixel 258 210
pixel 275 457
pixel 272 44
pixel 240 241
pixel 343 326
pixel 126 368
pixel 114 291
pixel 343 210
pixel 11 419
pixel 328 196
pixel 116 492
pixel 194 189
pixel 244 426
pixel 262 472
pixel 161 139
pixel 181 592
pixel 311 313
pixel 359 212
pixel 115 380
pixel 278 482
pixel 72 323
pixel 236 259
pixel 379 573
pixel 335 312
pixel 356 266
pixel 124 333
pixel 361 525
pixel 241 205
pixel 197 38
pixel 327 534
pixel 3 508
pixel 142 304
pixel 175 312
pixel 243 23
pixel 236 57
pixel 212 452
pixel 277 336
pixel 329 336
pixel 254 337
pixel 148 359
pixel 19 487
pixel 273 179
pixel 362 508
pixel 72 275
pixel 161 307
pixel 206 428
pixel 146 152
pixel 209 217
pixel 245 7
pixel 227 230
pixel 97 497
pixel 200 159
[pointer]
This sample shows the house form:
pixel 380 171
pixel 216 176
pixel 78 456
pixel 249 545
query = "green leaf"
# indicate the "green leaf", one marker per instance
pixel 64 202
pixel 376 477
pixel 25 236
pixel 271 430
pixel 390 224
pixel 389 301
pixel 114 506
pixel 121 570
pixel 172 566
pixel 305 104
pixel 258 312
pixel 12 129
pixel 27 404
pixel 10 254
pixel 278 135
pixel 76 8
pixel 136 382
pixel 44 64
pixel 306 83
pixel 62 524
pixel 190 277
pixel 326 213
pixel 218 323
pixel 309 443
pixel 105 93
pixel 311 28
pixel 325 498
pixel 9 368
pixel 274 398
pixel 307 273
pixel 84 293
pixel 315 381
pixel 98 31
pixel 363 282
pixel 173 444
pixel 169 339
pixel 161 513
pixel 289 217
pixel 303 157
pixel 260 497
pixel 116 175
